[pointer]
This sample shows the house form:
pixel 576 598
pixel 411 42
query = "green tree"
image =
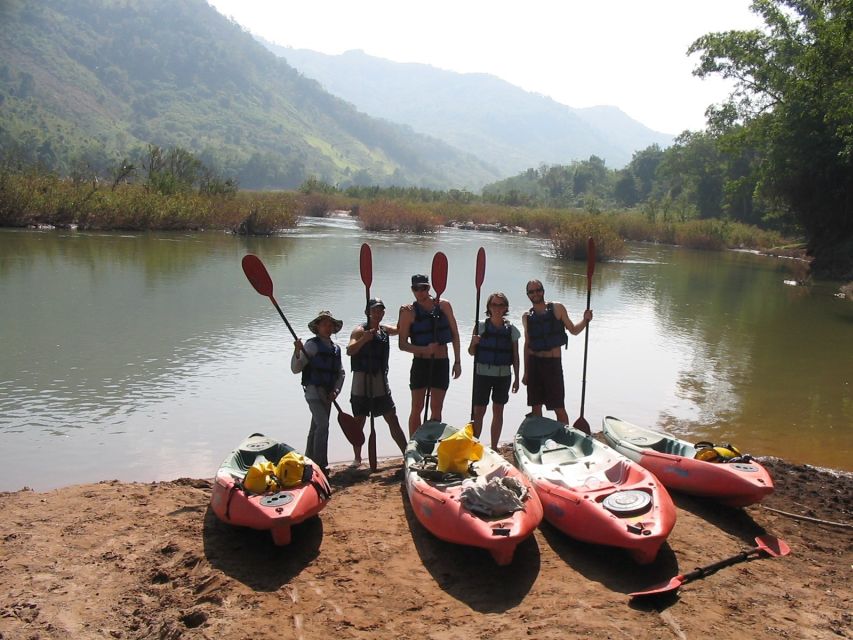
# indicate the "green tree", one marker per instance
pixel 794 93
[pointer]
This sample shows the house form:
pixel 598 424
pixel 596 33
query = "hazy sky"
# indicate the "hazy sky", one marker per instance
pixel 627 53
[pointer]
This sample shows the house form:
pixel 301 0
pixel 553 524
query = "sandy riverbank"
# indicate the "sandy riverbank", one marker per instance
pixel 121 560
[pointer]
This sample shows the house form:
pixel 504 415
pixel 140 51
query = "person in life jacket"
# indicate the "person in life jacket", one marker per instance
pixel 319 362
pixel 424 329
pixel 494 346
pixel 545 326
pixel 369 349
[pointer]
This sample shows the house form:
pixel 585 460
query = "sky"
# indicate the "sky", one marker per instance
pixel 626 53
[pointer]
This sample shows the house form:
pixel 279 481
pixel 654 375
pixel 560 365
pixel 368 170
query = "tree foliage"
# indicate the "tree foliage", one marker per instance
pixel 792 107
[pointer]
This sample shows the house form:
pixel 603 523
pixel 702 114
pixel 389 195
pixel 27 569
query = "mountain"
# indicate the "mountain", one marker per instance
pixel 85 83
pixel 500 123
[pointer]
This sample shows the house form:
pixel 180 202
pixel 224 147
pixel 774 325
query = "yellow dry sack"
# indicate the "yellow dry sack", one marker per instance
pixel 290 469
pixel 260 478
pixel 456 452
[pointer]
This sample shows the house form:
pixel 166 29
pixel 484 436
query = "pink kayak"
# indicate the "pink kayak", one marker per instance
pixel 275 510
pixel 591 492
pixel 447 504
pixel 737 483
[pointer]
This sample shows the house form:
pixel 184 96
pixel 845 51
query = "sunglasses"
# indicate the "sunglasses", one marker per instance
pixel 539 290
pixel 498 304
pixel 421 287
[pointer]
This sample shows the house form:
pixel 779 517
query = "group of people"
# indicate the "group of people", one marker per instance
pixel 425 328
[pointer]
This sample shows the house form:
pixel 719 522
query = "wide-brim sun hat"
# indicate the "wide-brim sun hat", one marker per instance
pixel 312 326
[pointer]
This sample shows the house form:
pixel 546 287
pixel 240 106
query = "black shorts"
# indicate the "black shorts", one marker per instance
pixel 430 372
pixel 496 386
pixel 364 406
pixel 545 383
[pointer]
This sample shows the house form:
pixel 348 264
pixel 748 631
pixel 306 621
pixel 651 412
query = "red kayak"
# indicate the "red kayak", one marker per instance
pixel 273 510
pixel 591 492
pixel 462 509
pixel 736 483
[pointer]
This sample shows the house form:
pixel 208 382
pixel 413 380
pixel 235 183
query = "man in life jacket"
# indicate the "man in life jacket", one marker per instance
pixel 545 326
pixel 369 348
pixel 319 361
pixel 494 346
pixel 424 329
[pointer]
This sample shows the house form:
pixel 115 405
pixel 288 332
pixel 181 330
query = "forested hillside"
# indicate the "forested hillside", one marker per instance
pixel 504 125
pixel 87 83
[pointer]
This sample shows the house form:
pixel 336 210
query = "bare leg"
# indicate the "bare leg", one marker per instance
pixel 562 416
pixel 479 412
pixel 536 410
pixel 436 403
pixel 356 448
pixel 497 424
pixel 418 399
pixel 396 430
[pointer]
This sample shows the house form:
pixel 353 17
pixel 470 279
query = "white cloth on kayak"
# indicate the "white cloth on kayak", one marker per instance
pixel 497 497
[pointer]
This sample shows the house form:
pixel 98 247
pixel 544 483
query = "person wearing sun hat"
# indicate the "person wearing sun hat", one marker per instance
pixel 424 329
pixel 319 362
pixel 369 350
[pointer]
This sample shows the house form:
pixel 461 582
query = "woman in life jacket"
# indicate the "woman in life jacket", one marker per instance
pixel 424 329
pixel 319 362
pixel 494 346
pixel 370 394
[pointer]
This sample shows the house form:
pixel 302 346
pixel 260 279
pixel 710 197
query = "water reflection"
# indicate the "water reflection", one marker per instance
pixel 149 356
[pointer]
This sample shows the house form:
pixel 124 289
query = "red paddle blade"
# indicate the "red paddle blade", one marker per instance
pixel 590 259
pixel 365 262
pixel 772 546
pixel 481 268
pixel 350 427
pixel 439 273
pixel 582 425
pixel 257 274
pixel 670 585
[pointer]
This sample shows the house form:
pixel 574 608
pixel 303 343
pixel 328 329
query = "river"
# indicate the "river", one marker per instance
pixel 149 356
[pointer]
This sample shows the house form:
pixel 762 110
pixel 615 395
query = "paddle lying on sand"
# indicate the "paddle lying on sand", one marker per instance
pixel 365 263
pixel 770 545
pixel 581 422
pixel 439 282
pixel 260 279
pixel 479 276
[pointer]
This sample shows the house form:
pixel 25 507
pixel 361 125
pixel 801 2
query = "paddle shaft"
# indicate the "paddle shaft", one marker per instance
pixel 366 269
pixel 585 351
pixel 479 274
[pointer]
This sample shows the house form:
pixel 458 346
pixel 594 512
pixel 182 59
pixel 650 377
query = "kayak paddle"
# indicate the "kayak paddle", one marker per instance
pixel 479 276
pixel 439 282
pixel 260 279
pixel 581 422
pixel 365 263
pixel 770 545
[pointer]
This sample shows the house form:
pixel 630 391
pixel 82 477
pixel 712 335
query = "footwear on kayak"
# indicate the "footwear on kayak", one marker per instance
pixel 736 481
pixel 490 504
pixel 255 487
pixel 591 492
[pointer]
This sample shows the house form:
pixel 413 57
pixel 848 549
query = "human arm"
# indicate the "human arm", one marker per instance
pixel 358 338
pixel 475 341
pixel 302 355
pixel 404 325
pixel 515 359
pixel 574 328
pixel 526 349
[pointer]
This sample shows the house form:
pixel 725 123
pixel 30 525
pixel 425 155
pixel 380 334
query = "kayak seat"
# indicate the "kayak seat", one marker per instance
pixel 426 446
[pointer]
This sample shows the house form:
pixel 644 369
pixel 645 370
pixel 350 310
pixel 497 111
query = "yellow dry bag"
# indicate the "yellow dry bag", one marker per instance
pixel 260 478
pixel 456 452
pixel 290 469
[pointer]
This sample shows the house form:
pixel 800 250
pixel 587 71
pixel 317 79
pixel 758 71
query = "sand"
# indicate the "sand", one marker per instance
pixel 131 560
